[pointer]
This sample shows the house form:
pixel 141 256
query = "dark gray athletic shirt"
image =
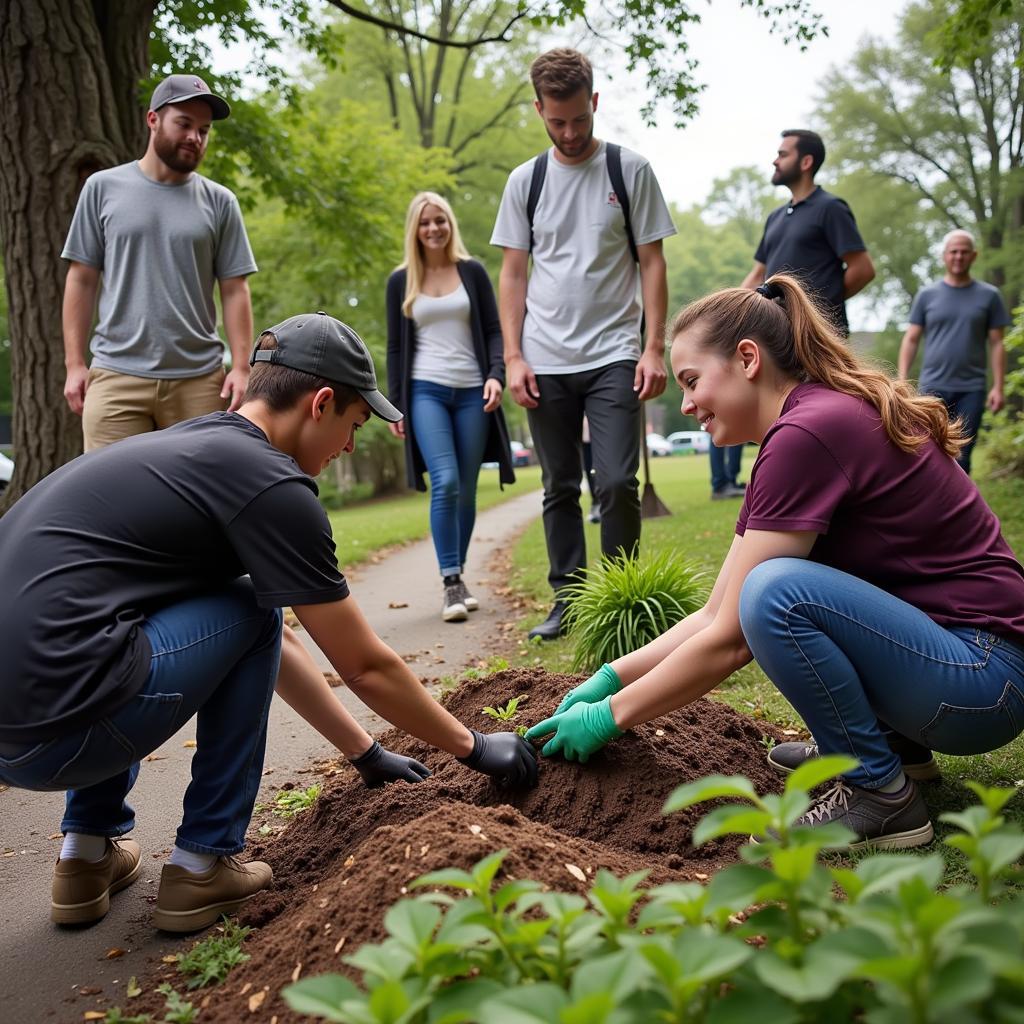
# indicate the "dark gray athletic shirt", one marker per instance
pixel 956 323
pixel 809 239
pixel 116 534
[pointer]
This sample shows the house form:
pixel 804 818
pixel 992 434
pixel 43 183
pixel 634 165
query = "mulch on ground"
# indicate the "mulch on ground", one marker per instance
pixel 342 864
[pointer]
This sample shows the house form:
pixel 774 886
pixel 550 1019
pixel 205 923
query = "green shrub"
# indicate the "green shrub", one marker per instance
pixel 781 936
pixel 623 603
pixel 1004 439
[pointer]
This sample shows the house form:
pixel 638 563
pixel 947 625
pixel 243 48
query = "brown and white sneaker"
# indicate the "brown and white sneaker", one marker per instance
pixel 82 888
pixel 190 900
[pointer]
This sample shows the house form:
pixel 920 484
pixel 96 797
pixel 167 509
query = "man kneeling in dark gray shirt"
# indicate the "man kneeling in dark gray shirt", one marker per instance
pixel 143 584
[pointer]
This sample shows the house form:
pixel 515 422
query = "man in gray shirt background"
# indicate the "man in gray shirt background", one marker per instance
pixel 961 320
pixel 571 324
pixel 150 238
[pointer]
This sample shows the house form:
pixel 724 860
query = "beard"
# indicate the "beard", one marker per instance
pixel 783 177
pixel 182 159
pixel 573 149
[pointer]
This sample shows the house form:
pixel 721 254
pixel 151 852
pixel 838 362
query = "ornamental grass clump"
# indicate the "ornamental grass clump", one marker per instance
pixel 623 603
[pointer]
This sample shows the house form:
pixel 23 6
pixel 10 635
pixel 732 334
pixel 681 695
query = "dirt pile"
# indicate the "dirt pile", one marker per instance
pixel 342 864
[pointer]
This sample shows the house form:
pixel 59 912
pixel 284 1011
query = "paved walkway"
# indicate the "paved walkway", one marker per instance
pixel 42 967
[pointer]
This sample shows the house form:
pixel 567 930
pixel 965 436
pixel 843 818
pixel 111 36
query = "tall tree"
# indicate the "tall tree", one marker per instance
pixel 954 138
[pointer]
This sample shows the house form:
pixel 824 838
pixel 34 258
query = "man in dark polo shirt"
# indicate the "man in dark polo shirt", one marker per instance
pixel 814 236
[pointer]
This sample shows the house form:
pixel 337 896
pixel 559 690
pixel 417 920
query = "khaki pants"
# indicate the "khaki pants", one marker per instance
pixel 118 405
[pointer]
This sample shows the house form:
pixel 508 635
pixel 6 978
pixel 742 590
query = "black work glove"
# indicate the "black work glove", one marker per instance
pixel 379 766
pixel 506 757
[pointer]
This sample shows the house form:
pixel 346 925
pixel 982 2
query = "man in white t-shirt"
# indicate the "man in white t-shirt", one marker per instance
pixel 572 324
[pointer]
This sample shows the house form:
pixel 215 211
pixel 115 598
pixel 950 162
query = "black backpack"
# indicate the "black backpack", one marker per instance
pixel 613 163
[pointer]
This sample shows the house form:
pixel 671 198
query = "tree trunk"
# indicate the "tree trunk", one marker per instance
pixel 69 74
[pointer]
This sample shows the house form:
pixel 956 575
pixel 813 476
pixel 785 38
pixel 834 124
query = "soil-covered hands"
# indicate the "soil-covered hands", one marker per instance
pixel 603 683
pixel 579 732
pixel 379 766
pixel 506 757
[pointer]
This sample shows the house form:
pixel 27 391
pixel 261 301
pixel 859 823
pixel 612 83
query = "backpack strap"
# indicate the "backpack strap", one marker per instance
pixel 613 161
pixel 540 169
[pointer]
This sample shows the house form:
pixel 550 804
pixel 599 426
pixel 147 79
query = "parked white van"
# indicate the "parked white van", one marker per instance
pixel 689 441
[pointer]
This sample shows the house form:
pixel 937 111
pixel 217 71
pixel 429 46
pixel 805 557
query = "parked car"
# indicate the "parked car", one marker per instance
pixel 657 445
pixel 6 470
pixel 521 455
pixel 689 441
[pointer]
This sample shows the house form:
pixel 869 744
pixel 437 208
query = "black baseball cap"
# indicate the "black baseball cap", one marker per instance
pixel 318 344
pixel 182 88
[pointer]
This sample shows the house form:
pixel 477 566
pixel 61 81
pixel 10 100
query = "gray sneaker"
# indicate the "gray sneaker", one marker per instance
pixel 884 821
pixel 454 608
pixel 918 763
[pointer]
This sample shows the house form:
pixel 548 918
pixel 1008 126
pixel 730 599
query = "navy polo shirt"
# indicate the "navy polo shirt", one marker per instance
pixel 809 239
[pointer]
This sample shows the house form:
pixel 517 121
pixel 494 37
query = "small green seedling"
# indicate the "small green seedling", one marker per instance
pixel 768 742
pixel 506 713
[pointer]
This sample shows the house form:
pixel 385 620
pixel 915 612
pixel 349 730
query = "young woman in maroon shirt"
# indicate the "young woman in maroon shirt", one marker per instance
pixel 868 577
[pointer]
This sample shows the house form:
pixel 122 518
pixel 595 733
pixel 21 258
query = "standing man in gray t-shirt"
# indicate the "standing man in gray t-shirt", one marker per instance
pixel 961 319
pixel 157 235
pixel 571 325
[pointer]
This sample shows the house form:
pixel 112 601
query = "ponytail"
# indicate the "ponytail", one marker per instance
pixel 805 346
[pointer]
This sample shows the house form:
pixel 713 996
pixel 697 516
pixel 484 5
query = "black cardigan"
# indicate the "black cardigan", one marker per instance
pixel 486 330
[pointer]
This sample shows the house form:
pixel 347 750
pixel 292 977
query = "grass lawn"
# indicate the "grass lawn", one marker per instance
pixel 701 531
pixel 361 531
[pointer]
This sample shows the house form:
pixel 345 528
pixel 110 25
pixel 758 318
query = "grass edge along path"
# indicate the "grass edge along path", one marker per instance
pixel 364 530
pixel 702 530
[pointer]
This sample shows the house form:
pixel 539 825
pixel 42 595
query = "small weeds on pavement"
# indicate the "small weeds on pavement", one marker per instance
pixel 623 603
pixel 115 1016
pixel 211 960
pixel 782 936
pixel 176 1011
pixel 290 802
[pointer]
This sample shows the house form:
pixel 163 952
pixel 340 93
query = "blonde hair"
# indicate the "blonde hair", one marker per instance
pixel 413 262
pixel 804 345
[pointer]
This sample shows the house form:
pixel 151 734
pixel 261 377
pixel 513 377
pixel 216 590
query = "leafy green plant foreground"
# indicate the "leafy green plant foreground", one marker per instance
pixel 784 936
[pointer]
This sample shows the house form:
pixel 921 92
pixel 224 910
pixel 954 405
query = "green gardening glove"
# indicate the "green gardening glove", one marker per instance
pixel 603 683
pixel 579 732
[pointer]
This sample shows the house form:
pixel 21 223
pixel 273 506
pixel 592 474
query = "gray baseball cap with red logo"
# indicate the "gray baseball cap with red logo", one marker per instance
pixel 182 88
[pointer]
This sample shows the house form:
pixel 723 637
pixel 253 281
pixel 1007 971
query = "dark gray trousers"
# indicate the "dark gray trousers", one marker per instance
pixel 607 397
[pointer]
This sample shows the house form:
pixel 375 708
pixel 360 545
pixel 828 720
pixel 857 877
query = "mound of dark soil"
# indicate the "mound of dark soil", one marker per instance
pixel 340 866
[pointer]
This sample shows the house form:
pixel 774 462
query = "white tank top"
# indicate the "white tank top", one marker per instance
pixel 444 340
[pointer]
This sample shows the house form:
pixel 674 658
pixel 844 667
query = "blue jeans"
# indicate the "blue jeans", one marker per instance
pixel 970 405
pixel 216 656
pixel 450 428
pixel 725 464
pixel 855 661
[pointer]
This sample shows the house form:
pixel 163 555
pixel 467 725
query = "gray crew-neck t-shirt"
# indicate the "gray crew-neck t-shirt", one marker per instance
pixel 112 536
pixel 956 323
pixel 582 300
pixel 160 249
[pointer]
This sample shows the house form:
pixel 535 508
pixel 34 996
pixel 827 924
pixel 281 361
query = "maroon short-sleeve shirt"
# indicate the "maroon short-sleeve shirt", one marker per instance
pixel 912 524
